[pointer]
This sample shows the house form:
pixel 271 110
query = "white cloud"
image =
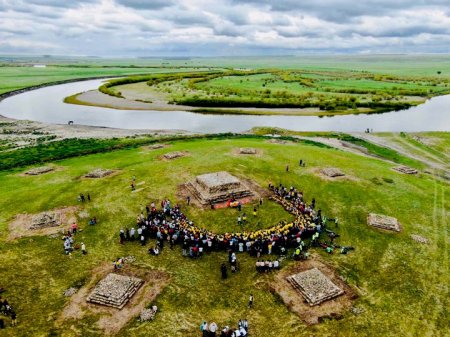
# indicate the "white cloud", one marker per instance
pixel 217 27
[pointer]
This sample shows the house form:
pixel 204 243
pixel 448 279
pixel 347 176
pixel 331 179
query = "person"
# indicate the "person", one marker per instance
pixel 202 327
pixel 254 211
pixel 260 201
pixel 2 323
pixel 82 197
pixel 92 222
pixel 89 197
pixel 244 218
pixel 122 236
pixel 13 318
pixel 300 163
pixel 74 228
pixel 133 188
pixel 250 301
pixel 212 329
pixel 223 269
pixel 287 168
pixel 83 248
pixel 188 200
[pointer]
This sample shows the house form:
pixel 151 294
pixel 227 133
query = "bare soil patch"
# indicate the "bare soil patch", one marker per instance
pixel 332 308
pixel 111 320
pixel 52 222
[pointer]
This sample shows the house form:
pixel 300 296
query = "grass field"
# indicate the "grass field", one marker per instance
pixel 403 286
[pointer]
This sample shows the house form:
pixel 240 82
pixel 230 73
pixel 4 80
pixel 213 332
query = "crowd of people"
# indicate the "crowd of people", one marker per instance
pixel 170 224
pixel 7 310
pixel 212 329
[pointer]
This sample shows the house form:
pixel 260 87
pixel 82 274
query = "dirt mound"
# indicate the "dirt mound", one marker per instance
pixel 111 320
pixel 45 223
pixel 331 308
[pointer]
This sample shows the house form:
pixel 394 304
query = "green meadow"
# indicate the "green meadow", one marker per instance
pixel 402 285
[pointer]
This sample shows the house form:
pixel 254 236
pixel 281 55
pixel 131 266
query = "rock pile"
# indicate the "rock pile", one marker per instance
pixel 115 290
pixel 175 154
pixel 247 150
pixel 147 315
pixel 314 286
pixel 406 170
pixel 99 173
pixel 419 239
pixel 332 172
pixel 39 170
pixel 156 146
pixel 383 222
pixel 70 292
pixel 45 219
pixel 217 187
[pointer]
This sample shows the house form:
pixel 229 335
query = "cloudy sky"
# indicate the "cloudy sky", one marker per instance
pixel 223 27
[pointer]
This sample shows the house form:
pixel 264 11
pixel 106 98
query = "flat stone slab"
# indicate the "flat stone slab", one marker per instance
pixel 419 239
pixel 99 173
pixel 115 290
pixel 218 181
pixel 247 150
pixel 405 170
pixel 332 172
pixel 383 222
pixel 39 170
pixel 315 286
pixel 175 154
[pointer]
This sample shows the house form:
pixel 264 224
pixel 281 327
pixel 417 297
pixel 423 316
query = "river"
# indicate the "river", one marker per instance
pixel 46 105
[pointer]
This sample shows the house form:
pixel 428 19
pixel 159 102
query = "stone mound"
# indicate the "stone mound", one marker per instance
pixel 115 290
pixel 217 187
pixel 45 219
pixel 70 292
pixel 277 141
pixel 39 170
pixel 419 239
pixel 147 315
pixel 383 222
pixel 157 146
pixel 314 286
pixel 175 154
pixel 247 150
pixel 99 173
pixel 406 170
pixel 332 172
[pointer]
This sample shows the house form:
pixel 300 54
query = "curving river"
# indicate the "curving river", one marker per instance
pixel 46 105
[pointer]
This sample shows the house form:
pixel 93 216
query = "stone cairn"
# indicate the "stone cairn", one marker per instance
pixel 46 219
pixel 217 187
pixel 99 173
pixel 383 222
pixel 115 290
pixel 406 170
pixel 174 155
pixel 314 286
pixel 39 170
pixel 332 172
pixel 70 292
pixel 419 239
pixel 247 150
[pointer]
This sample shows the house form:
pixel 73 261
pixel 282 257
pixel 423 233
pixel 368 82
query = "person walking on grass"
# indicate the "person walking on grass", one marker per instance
pixel 13 318
pixel 287 168
pixel 83 248
pixel 223 270
pixel 250 301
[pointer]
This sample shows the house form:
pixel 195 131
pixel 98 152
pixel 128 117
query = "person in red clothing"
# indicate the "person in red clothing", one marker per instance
pixel 74 228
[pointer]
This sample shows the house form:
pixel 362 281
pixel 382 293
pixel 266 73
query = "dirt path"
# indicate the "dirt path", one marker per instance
pixel 385 142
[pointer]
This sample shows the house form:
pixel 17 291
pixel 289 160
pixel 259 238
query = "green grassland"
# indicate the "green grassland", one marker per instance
pixel 403 286
pixel 334 91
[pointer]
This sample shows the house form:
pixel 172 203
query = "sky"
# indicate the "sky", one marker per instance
pixel 154 28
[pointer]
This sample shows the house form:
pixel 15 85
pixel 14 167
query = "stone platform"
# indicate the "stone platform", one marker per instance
pixel 45 220
pixel 332 172
pixel 99 173
pixel 115 290
pixel 315 286
pixel 39 170
pixel 383 222
pixel 217 187
pixel 405 170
